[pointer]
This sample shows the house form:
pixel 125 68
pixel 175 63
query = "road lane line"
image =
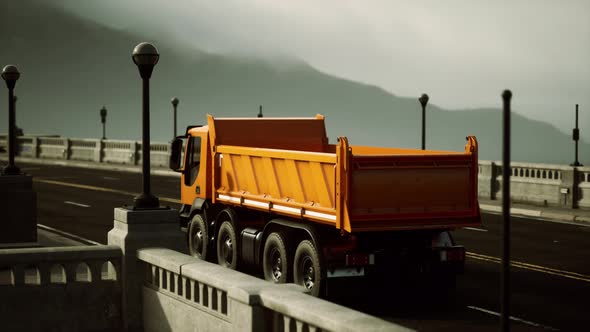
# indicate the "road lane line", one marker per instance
pixel 77 204
pixel 102 189
pixel 110 178
pixel 532 267
pixel 516 319
pixel 475 229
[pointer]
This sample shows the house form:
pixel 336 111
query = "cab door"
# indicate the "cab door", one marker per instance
pixel 194 177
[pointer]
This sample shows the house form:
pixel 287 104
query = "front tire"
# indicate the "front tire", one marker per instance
pixel 275 261
pixel 198 237
pixel 227 246
pixel 307 270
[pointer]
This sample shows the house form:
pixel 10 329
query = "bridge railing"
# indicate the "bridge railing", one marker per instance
pixel 181 293
pixel 84 149
pixel 60 288
pixel 539 184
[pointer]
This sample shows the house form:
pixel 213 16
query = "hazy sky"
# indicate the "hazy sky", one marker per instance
pixel 463 53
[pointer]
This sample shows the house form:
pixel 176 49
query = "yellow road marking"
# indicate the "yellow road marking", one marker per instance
pixel 522 265
pixel 532 267
pixel 109 190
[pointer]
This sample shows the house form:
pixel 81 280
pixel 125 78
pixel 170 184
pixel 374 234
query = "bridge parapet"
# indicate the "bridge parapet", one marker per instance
pixel 538 184
pixel 181 293
pixel 60 288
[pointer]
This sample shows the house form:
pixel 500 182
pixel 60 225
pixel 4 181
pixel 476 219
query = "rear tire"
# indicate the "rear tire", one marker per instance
pixel 227 246
pixel 275 262
pixel 307 269
pixel 198 237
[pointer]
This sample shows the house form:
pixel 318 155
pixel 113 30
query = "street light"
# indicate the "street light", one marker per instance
pixel 423 101
pixel 10 74
pixel 174 102
pixel 145 56
pixel 103 119
pixel 576 138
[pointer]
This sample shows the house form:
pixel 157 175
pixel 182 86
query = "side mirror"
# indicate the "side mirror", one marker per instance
pixel 175 155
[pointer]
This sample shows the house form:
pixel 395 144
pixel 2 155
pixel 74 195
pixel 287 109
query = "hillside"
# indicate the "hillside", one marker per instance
pixel 71 67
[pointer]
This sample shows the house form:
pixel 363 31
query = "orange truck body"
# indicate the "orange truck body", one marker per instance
pixel 285 166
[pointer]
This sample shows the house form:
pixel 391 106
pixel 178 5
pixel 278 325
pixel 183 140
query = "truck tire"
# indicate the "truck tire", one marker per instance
pixel 307 270
pixel 275 262
pixel 227 246
pixel 198 237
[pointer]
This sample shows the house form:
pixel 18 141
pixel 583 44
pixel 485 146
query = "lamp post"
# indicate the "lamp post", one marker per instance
pixel 174 102
pixel 10 74
pixel 103 119
pixel 505 281
pixel 576 138
pixel 260 111
pixel 423 101
pixel 145 56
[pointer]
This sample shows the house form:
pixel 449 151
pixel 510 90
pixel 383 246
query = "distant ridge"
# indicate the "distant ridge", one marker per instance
pixel 71 67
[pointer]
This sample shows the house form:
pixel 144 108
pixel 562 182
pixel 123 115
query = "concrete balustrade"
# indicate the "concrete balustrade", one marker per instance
pixel 181 293
pixel 60 289
pixel 81 149
pixel 538 184
pixel 584 187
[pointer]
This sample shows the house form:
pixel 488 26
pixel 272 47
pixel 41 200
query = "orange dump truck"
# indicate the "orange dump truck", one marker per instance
pixel 273 194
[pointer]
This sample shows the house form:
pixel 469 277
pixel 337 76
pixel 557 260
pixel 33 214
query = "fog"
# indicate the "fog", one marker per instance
pixel 463 53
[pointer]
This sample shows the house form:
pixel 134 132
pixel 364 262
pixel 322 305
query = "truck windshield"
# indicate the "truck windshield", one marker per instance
pixel 194 160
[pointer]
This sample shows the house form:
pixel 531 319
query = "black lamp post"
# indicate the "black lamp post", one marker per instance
pixel 423 101
pixel 10 74
pixel 145 56
pixel 505 281
pixel 260 111
pixel 174 102
pixel 103 119
pixel 576 138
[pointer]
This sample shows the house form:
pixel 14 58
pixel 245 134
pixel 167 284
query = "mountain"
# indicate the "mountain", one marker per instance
pixel 71 66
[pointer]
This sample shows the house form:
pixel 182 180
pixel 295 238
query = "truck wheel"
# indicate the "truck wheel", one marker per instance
pixel 307 270
pixel 198 237
pixel 227 246
pixel 274 260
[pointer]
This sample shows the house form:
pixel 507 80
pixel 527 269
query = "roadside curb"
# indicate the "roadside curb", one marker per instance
pixel 553 216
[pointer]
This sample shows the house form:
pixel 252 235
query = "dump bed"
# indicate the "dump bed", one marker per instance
pixel 351 188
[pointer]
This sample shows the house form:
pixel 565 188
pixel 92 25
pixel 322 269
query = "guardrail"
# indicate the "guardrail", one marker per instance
pixel 60 289
pixel 538 184
pixel 181 293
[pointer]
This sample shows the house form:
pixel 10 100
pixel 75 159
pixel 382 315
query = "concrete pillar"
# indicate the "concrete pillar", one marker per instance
pixel 133 153
pixel 35 147
pixel 567 188
pixel 98 151
pixel 18 203
pixel 67 147
pixel 137 229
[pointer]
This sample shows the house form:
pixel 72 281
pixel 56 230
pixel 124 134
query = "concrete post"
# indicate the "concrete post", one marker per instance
pixel 98 151
pixel 568 188
pixel 18 203
pixel 133 153
pixel 35 147
pixel 67 146
pixel 137 229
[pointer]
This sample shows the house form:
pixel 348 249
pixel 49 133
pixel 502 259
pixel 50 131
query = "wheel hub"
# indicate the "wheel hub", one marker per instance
pixel 227 250
pixel 308 273
pixel 276 265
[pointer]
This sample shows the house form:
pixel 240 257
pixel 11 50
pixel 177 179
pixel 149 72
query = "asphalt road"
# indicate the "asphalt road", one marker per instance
pixel 550 274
